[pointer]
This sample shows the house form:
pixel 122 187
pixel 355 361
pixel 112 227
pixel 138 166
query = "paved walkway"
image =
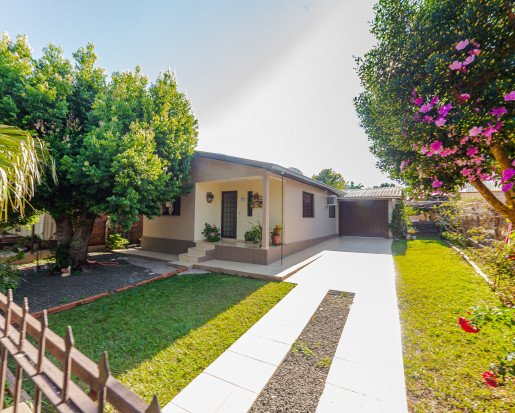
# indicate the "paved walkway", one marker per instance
pixel 366 374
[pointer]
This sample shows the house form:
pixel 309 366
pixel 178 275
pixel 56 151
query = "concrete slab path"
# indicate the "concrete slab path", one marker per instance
pixel 366 374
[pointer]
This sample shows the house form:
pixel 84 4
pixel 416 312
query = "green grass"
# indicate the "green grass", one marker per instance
pixel 443 364
pixel 160 336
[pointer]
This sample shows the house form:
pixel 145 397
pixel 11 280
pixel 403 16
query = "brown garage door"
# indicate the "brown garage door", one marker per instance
pixel 363 218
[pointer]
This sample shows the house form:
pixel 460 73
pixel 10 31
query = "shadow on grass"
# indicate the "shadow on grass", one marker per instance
pixel 401 247
pixel 135 325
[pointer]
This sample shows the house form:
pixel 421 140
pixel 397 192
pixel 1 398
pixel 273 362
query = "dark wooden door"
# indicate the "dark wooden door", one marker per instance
pixel 363 218
pixel 229 213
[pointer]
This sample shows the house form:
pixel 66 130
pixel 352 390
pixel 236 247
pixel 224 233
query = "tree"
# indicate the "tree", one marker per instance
pixel 438 105
pixel 21 156
pixel 330 177
pixel 122 146
pixel 384 185
pixel 352 185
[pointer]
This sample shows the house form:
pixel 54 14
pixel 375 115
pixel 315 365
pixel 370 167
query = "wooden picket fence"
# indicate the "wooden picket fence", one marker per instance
pixel 50 380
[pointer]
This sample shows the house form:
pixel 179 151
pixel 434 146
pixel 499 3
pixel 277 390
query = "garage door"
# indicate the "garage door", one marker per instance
pixel 364 218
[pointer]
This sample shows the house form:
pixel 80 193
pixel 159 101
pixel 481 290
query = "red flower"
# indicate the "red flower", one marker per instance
pixel 490 378
pixel 511 257
pixel 466 326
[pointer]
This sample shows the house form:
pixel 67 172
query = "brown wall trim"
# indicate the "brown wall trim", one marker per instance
pixel 264 257
pixel 167 245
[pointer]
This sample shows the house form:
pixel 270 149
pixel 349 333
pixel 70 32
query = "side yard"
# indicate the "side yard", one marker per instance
pixel 443 363
pixel 160 336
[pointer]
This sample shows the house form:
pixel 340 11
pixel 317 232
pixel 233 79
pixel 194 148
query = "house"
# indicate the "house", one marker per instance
pixel 469 191
pixel 234 193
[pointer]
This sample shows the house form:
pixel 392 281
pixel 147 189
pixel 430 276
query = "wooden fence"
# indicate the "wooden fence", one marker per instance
pixel 51 381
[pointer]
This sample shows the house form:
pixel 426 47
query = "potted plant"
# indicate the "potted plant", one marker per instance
pixel 276 235
pixel 210 197
pixel 254 234
pixel 211 233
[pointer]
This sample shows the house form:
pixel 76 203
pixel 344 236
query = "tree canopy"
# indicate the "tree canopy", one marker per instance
pixel 330 177
pixel 438 105
pixel 122 145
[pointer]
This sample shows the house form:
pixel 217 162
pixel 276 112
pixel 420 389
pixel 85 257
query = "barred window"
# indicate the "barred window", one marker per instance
pixel 332 211
pixel 308 205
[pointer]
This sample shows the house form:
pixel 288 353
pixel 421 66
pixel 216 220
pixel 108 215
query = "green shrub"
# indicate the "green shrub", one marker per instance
pixel 211 233
pixel 115 241
pixel 255 233
pixel 9 274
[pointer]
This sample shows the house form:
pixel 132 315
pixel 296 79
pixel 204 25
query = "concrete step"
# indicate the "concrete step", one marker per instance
pixel 198 251
pixel 193 258
pixel 205 245
pixel 181 264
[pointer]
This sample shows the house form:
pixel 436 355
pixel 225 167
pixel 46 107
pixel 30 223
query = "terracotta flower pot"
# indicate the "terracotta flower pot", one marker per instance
pixel 276 239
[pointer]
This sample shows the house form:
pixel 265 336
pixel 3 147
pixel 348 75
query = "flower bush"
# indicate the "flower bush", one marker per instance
pixel 211 233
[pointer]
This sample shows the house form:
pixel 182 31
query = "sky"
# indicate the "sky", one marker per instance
pixel 271 80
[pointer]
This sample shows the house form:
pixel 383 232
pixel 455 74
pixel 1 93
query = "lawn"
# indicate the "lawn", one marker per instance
pixel 444 364
pixel 160 336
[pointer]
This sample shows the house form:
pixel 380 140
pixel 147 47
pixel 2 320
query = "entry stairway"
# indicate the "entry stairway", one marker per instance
pixel 202 251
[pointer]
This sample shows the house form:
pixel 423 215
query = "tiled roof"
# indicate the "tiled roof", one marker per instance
pixel 491 185
pixel 373 193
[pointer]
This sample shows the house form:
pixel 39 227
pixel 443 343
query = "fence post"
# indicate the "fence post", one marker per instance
pixel 19 371
pixel 69 342
pixel 41 357
pixel 3 362
pixel 103 375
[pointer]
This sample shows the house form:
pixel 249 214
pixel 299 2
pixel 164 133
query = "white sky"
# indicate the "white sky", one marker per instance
pixel 269 80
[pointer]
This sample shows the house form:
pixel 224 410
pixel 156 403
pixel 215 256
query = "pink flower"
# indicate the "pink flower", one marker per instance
pixel 464 96
pixel 434 100
pixel 414 93
pixel 461 45
pixel 499 111
pixel 436 147
pixel 475 51
pixel 444 110
pixel 475 131
pixel 460 162
pixel 508 174
pixel 423 150
pixel 469 60
pixel 428 118
pixel 440 121
pixel 507 187
pixel 466 171
pixel 425 108
pixel 489 131
pixel 456 65
pixel 418 101
pixel 510 96
pixel 471 151
pixel 437 183
pixel 464 140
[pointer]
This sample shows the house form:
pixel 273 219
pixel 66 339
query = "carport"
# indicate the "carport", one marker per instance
pixel 367 212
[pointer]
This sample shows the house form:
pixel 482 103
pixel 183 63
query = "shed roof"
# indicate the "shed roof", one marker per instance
pixel 373 193
pixel 491 185
pixel 271 167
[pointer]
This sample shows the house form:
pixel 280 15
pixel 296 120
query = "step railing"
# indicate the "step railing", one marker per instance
pixel 56 383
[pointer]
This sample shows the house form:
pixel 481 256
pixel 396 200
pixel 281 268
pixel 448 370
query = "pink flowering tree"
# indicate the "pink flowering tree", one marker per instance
pixel 439 99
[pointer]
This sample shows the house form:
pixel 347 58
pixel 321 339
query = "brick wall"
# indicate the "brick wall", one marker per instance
pixel 99 231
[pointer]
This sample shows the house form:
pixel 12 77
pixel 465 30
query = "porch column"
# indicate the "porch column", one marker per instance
pixel 265 218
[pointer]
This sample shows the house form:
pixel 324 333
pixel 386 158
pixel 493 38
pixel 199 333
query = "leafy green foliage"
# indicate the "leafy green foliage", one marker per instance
pixel 330 177
pixel 255 233
pixel 9 273
pixel 116 241
pixel 432 127
pixel 443 363
pixel 160 336
pixel 122 145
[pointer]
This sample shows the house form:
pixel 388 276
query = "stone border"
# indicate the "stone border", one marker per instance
pixel 472 264
pixel 88 300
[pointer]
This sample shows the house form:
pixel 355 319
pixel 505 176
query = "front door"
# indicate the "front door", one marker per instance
pixel 229 211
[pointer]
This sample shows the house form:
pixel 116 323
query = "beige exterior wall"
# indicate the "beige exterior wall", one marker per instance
pixel 297 228
pixel 174 227
pixel 44 228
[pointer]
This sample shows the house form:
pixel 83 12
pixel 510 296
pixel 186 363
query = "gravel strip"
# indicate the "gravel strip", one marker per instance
pixel 299 381
pixel 46 290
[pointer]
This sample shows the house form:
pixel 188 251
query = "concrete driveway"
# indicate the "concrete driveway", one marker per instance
pixel 366 374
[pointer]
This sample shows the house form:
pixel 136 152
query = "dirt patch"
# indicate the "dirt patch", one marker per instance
pixel 46 290
pixel 299 381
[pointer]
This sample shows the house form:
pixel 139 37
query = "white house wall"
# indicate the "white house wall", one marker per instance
pixel 298 228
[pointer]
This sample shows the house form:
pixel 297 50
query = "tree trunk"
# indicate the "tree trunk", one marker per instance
pixel 79 241
pixel 64 229
pixel 508 212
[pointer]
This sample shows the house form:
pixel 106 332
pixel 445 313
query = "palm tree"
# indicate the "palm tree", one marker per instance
pixel 21 157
